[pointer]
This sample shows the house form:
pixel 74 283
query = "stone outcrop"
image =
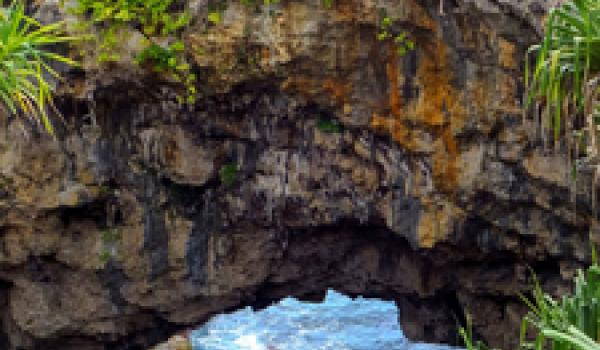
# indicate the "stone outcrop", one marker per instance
pixel 316 158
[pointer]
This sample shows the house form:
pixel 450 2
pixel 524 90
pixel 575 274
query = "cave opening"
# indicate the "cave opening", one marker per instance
pixel 363 275
pixel 336 322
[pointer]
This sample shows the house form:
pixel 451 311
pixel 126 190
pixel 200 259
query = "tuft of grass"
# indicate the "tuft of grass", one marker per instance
pixel 467 335
pixel 111 236
pixel 214 17
pixel 104 190
pixel 229 174
pixel 105 256
pixel 329 126
pixel 328 3
pixel 25 62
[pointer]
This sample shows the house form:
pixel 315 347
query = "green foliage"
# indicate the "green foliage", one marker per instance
pixel 568 58
pixel 328 3
pixel 155 18
pixel 569 323
pixel 571 338
pixel 255 2
pixel 105 256
pixel 25 57
pixel 215 12
pixel 110 240
pixel 214 17
pixel 111 236
pixel 103 190
pixel 328 126
pixel 160 58
pixel 467 336
pixel 229 174
pixel 167 60
pixel 401 41
pixel 554 319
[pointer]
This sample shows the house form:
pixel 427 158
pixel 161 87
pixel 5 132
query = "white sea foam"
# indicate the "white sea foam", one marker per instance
pixel 338 323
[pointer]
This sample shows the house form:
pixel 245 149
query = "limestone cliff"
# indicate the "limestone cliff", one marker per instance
pixel 316 157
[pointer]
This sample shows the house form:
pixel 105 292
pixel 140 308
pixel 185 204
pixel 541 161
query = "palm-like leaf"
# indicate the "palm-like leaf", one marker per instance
pixel 24 57
pixel 567 57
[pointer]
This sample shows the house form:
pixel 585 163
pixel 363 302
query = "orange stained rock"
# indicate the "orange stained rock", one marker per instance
pixel 435 223
pixel 439 110
pixel 395 122
pixel 396 128
pixel 439 103
pixel 417 15
pixel 265 55
pixel 172 153
pixel 506 54
pixel 337 89
pixel 445 169
pixel 427 229
pixel 440 107
pixel 391 69
pixel 334 88
pixel 345 9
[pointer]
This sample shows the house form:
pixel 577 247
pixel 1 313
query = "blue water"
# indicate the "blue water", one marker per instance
pixel 338 323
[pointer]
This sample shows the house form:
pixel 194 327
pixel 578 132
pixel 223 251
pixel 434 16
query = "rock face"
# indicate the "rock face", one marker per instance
pixel 316 158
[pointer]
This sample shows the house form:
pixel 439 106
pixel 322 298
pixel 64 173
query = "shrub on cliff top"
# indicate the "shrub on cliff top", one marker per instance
pixel 156 19
pixel 24 62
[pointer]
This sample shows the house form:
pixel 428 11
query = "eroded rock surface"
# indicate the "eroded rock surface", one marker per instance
pixel 316 158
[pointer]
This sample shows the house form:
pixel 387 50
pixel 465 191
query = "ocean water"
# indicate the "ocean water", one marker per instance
pixel 337 323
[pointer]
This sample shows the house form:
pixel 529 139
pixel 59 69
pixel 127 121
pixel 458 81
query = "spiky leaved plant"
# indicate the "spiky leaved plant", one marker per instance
pixel 566 65
pixel 25 53
pixel 569 323
pixel 566 322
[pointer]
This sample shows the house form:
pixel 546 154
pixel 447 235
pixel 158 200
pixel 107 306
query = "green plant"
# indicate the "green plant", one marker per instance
pixel 466 334
pixel 166 60
pixel 110 236
pixel 228 174
pixel 104 190
pixel 215 12
pixel 24 58
pixel 328 126
pixel 573 338
pixel 401 41
pixel 155 18
pixel 255 2
pixel 555 319
pixel 159 57
pixel 566 66
pixel 105 256
pixel 568 323
pixel 214 17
